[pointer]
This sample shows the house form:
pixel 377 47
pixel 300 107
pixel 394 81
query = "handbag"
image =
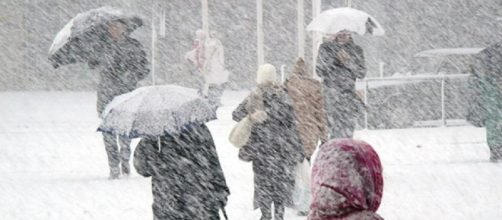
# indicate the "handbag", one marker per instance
pixel 241 132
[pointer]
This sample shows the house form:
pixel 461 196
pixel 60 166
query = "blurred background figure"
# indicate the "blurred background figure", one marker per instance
pixel 485 104
pixel 214 71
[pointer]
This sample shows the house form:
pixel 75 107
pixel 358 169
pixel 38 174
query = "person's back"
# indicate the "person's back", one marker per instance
pixel 187 179
pixel 308 104
pixel 347 182
pixel 274 146
pixel 338 71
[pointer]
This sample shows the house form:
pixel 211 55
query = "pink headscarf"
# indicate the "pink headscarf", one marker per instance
pixel 347 182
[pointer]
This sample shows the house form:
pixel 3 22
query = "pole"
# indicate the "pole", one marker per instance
pixel 205 17
pixel 316 38
pixel 366 90
pixel 349 3
pixel 301 28
pixel 154 33
pixel 283 73
pixel 382 64
pixel 260 35
pixel 443 109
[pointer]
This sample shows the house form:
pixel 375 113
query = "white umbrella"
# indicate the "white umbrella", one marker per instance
pixel 335 20
pixel 155 111
pixel 77 40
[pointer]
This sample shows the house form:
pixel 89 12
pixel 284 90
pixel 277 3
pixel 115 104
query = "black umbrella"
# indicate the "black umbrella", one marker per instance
pixel 83 35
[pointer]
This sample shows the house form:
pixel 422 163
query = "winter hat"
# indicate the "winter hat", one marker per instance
pixel 266 74
pixel 347 181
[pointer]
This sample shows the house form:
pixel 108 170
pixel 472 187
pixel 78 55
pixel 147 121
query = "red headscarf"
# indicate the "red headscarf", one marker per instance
pixel 347 182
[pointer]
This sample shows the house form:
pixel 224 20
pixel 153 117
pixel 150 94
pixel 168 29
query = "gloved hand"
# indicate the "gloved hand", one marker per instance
pixel 258 116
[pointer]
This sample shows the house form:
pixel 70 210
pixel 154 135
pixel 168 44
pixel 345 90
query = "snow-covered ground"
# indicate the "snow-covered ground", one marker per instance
pixel 53 166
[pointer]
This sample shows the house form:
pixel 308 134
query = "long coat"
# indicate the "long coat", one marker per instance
pixel 488 75
pixel 214 65
pixel 187 179
pixel 274 146
pixel 308 103
pixel 122 65
pixel 339 79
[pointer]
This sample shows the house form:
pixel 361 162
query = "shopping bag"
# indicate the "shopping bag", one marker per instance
pixel 301 192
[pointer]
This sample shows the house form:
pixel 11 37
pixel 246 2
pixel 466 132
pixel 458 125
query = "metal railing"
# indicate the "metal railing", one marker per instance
pixel 366 82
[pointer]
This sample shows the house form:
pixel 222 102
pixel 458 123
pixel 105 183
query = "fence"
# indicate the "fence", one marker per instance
pixel 369 83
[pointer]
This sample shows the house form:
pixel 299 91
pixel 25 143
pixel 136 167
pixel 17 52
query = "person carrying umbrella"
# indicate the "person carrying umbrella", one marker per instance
pixel 123 65
pixel 340 62
pixel 187 178
pixel 177 149
pixel 100 38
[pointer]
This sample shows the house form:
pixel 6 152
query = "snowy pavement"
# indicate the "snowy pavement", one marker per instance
pixel 53 166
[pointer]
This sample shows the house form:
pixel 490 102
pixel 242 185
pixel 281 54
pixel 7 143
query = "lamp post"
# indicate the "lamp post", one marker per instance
pixel 259 32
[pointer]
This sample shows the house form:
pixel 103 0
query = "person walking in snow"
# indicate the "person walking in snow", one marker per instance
pixel 214 72
pixel 486 104
pixel 347 182
pixel 187 180
pixel 308 103
pixel 122 63
pixel 340 62
pixel 274 146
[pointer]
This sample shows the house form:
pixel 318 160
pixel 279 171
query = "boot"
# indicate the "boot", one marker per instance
pixel 114 173
pixel 279 212
pixel 266 213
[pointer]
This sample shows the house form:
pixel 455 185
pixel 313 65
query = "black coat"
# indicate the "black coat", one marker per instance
pixel 336 74
pixel 274 147
pixel 187 179
pixel 122 65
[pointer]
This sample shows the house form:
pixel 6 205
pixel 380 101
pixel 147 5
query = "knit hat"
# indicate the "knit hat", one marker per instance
pixel 266 74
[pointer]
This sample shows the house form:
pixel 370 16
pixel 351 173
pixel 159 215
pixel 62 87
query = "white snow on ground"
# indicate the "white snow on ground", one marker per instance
pixel 53 166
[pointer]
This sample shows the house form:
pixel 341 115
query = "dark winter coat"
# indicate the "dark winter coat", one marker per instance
pixel 308 103
pixel 486 105
pixel 336 73
pixel 343 105
pixel 122 65
pixel 274 146
pixel 187 179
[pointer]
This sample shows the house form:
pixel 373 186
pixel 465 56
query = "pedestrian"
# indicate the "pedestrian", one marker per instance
pixel 187 180
pixel 196 55
pixel 347 182
pixel 340 62
pixel 486 105
pixel 308 103
pixel 122 63
pixel 214 71
pixel 274 146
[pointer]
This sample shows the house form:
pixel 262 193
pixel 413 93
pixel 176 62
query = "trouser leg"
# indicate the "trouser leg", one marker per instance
pixel 278 211
pixel 266 212
pixel 125 154
pixel 110 142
